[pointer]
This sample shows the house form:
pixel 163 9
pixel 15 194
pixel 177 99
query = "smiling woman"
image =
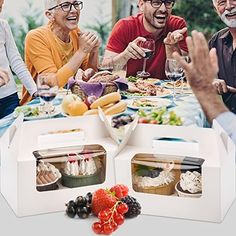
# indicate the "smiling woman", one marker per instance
pixel 60 47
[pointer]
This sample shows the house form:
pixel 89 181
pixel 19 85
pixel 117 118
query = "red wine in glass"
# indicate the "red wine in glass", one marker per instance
pixel 148 47
pixel 47 96
pixel 174 72
pixel 47 90
pixel 148 52
pixel 174 76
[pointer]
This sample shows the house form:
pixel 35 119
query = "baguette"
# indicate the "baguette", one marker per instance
pixel 117 108
pixel 91 112
pixel 105 100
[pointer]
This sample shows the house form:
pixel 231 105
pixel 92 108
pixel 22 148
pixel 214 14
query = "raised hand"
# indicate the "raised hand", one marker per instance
pixel 201 72
pixel 88 42
pixel 203 68
pixel 175 37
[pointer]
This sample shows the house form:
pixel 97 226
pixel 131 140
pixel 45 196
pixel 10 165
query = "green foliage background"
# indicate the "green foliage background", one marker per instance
pixel 200 15
pixel 33 18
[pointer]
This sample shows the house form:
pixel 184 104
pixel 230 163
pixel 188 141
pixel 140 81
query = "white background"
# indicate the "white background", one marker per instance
pixel 58 224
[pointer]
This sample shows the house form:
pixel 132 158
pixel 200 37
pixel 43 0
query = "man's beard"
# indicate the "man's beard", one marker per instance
pixel 229 23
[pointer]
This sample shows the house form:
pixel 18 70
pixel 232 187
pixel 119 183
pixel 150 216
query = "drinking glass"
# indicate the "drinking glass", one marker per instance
pixel 148 47
pixel 119 69
pixel 174 72
pixel 47 90
pixel 183 78
pixel 105 63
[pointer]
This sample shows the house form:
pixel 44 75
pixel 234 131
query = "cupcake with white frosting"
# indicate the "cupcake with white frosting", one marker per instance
pixel 190 185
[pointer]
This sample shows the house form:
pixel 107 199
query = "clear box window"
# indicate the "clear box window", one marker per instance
pixel 167 175
pixel 70 167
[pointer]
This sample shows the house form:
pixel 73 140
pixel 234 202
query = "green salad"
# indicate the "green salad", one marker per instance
pixel 160 116
pixel 28 111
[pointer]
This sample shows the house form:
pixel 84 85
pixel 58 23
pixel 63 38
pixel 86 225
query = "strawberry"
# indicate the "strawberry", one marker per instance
pixel 120 190
pixel 102 199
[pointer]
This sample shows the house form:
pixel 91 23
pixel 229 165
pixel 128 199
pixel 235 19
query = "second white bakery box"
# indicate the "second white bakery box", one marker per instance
pixel 40 175
pixel 182 172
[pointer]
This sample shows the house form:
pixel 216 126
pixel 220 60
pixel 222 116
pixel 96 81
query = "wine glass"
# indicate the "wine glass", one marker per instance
pixel 105 64
pixel 148 47
pixel 47 90
pixel 120 70
pixel 183 78
pixel 174 72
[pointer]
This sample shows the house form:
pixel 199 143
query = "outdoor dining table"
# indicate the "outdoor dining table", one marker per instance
pixel 187 108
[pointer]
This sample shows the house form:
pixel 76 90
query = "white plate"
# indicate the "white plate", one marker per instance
pixel 160 102
pixel 130 96
pixel 43 115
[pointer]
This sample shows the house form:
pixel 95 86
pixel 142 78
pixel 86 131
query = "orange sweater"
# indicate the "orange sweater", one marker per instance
pixel 42 55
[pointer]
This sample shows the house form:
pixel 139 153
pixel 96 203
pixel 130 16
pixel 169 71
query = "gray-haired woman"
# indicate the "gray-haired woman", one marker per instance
pixel 60 47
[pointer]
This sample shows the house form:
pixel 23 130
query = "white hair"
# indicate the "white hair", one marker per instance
pixel 51 3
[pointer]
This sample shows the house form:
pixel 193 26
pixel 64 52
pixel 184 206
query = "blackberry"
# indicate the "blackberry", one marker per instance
pixel 134 207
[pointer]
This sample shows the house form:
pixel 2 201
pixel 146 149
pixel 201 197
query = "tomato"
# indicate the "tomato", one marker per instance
pixel 143 120
pixel 154 122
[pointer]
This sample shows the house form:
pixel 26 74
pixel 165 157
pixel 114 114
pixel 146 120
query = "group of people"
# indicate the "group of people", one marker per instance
pixel 60 47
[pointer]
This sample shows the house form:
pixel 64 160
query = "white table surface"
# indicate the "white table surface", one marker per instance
pixel 57 224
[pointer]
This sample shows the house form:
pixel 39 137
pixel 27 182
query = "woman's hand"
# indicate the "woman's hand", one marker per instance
pixel 88 42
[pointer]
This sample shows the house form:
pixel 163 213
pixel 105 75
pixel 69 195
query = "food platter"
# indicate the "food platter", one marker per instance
pixel 178 85
pixel 129 95
pixel 32 112
pixel 148 103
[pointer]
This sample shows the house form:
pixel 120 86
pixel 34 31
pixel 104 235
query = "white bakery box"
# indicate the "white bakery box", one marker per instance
pixel 40 165
pixel 183 172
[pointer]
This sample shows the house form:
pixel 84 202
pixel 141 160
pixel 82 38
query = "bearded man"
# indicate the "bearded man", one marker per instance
pixel 225 43
pixel 154 21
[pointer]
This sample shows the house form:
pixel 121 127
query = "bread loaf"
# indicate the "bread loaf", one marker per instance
pixel 117 108
pixel 105 100
pixel 91 112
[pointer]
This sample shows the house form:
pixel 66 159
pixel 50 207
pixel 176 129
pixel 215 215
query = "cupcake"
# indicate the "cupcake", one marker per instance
pixel 155 180
pixel 47 177
pixel 190 185
pixel 80 172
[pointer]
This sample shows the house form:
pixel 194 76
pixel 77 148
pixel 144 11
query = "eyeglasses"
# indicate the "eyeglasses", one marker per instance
pixel 157 3
pixel 67 6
